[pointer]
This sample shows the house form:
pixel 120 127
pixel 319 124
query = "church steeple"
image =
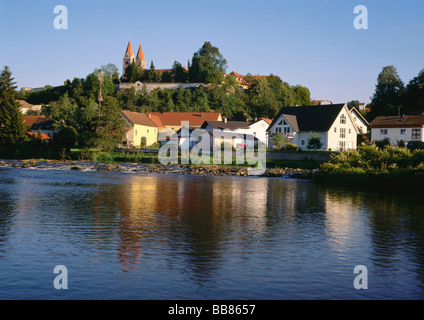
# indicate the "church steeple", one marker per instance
pixel 140 58
pixel 128 57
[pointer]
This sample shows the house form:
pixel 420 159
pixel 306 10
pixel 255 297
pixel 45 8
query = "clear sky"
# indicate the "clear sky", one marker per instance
pixel 308 42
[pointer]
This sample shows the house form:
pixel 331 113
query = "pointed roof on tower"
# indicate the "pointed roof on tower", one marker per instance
pixel 140 54
pixel 129 51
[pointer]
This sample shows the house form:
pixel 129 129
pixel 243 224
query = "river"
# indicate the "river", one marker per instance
pixel 170 236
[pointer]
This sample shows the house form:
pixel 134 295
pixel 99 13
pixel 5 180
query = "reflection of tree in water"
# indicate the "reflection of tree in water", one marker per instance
pixel 6 213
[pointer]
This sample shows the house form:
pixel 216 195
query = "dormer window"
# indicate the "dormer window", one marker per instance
pixel 342 119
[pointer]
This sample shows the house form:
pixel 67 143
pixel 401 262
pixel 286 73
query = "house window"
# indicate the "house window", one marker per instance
pixel 284 122
pixel 280 123
pixel 402 131
pixel 135 132
pixel 342 133
pixel 335 129
pixel 416 133
pixel 342 119
pixel 147 130
pixel 302 142
pixel 350 131
pixel 342 145
pixel 286 129
pixel 383 131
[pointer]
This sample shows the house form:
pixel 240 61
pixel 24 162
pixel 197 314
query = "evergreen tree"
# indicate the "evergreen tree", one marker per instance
pixel 110 128
pixel 12 127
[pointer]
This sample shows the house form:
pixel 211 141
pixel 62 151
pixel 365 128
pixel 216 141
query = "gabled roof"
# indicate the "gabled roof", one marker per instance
pixel 318 118
pixel 353 109
pixel 229 125
pixel 398 121
pixel 269 121
pixel 138 118
pixel 194 118
pixel 129 51
pixel 38 122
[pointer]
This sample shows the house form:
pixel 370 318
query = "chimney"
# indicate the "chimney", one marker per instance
pixel 225 120
pixel 202 114
pixel 150 116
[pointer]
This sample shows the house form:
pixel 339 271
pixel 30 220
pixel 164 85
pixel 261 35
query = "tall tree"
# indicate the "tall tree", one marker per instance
pixel 12 127
pixel 110 128
pixel 151 73
pixel 389 92
pixel 415 92
pixel 207 65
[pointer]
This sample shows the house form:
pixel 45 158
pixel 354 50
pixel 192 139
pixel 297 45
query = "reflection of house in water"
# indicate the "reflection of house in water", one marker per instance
pixel 137 206
pixel 343 222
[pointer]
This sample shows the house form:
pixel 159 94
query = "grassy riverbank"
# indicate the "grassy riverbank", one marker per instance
pixel 390 169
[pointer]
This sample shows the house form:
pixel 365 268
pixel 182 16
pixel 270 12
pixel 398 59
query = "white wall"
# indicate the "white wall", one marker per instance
pixel 258 129
pixel 394 134
pixel 335 140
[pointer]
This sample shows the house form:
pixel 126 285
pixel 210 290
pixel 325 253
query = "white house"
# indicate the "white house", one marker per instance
pixel 406 128
pixel 333 123
pixel 359 120
pixel 239 133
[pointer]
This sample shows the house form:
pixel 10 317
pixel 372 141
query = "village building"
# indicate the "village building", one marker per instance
pixel 398 129
pixel 140 130
pixel 25 107
pixel 40 124
pixel 174 120
pixel 333 123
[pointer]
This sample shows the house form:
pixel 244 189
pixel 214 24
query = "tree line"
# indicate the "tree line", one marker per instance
pixel 393 97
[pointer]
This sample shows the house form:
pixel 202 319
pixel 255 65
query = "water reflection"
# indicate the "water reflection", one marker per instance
pixel 207 227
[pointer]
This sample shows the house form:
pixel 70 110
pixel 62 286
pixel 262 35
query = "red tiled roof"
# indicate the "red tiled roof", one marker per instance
pixel 269 121
pixel 36 134
pixel 138 118
pixel 30 120
pixel 194 118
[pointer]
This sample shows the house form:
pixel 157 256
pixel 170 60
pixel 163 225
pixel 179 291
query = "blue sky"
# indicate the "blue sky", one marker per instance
pixel 307 42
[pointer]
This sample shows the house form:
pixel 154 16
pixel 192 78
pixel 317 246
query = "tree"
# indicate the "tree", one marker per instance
pixel 65 138
pixel 279 140
pixel 12 127
pixel 314 141
pixel 179 74
pixel 302 95
pixel 207 65
pixel 110 128
pixel 389 92
pixel 415 92
pixel 263 102
pixel 133 73
pixel 151 74
pixel 64 112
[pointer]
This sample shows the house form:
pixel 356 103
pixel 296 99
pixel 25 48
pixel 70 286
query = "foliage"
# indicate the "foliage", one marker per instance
pixel 207 65
pixel 65 138
pixel 110 125
pixel 12 127
pixel 314 141
pixel 279 141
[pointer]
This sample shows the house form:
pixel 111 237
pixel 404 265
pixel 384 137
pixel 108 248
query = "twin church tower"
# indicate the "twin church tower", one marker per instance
pixel 129 58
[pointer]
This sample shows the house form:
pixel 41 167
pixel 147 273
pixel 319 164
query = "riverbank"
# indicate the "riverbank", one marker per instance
pixel 389 170
pixel 201 170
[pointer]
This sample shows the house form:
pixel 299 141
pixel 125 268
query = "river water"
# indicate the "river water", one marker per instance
pixel 167 236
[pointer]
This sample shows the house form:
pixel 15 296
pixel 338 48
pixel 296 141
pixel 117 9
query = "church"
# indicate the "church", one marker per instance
pixel 130 58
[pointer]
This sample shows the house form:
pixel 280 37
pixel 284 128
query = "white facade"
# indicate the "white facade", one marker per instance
pixel 258 129
pixel 359 121
pixel 341 135
pixel 398 134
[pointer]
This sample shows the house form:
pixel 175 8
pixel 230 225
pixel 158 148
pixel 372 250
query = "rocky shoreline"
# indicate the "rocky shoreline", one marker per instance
pixel 201 170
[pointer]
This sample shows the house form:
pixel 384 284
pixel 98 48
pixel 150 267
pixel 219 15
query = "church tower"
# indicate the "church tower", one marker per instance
pixel 140 59
pixel 128 57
